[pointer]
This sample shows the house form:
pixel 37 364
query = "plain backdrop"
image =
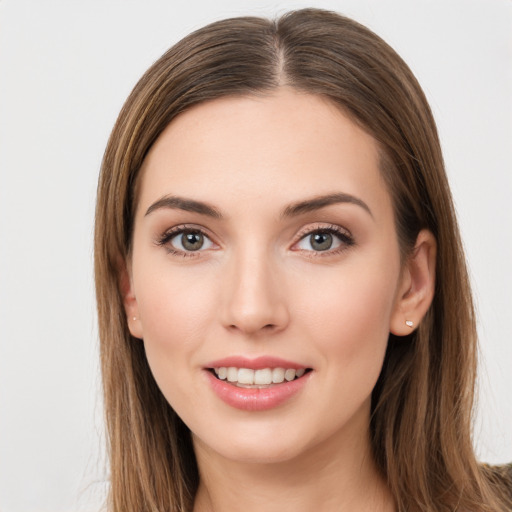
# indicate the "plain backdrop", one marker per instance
pixel 65 69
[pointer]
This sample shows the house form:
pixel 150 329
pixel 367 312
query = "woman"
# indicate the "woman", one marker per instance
pixel 284 308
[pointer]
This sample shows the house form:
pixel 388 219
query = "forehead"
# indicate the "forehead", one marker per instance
pixel 265 149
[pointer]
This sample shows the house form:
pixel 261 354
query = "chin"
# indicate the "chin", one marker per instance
pixel 256 446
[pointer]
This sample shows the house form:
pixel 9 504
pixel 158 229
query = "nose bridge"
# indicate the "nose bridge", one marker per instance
pixel 254 298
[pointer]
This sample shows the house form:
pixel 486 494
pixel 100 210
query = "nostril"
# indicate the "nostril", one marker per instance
pixel 248 327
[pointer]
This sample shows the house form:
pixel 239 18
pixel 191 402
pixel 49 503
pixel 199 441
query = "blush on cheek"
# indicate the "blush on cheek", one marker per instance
pixel 351 319
pixel 178 303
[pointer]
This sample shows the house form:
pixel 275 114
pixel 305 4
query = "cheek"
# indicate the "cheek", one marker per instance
pixel 348 313
pixel 174 306
pixel 175 310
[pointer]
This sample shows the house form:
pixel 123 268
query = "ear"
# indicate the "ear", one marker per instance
pixel 417 285
pixel 129 299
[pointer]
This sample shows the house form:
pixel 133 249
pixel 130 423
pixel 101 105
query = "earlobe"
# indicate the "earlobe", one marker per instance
pixel 417 286
pixel 129 299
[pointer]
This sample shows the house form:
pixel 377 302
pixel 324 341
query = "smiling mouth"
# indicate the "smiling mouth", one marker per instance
pixel 257 379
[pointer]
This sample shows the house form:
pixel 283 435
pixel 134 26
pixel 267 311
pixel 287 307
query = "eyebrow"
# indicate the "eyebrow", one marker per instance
pixel 292 210
pixel 188 205
pixel 315 203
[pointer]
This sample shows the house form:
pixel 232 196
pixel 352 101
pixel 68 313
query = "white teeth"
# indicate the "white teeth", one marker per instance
pixel 263 377
pixel 289 374
pixel 277 375
pixel 245 376
pixel 232 374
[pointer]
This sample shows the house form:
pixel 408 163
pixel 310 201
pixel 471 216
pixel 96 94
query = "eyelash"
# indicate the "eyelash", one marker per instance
pixel 341 234
pixel 345 238
pixel 164 240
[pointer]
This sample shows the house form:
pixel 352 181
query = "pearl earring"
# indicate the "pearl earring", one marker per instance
pixel 409 323
pixel 134 318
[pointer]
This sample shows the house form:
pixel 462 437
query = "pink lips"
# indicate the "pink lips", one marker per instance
pixel 254 399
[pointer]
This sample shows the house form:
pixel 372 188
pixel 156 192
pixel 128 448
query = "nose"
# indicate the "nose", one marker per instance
pixel 254 298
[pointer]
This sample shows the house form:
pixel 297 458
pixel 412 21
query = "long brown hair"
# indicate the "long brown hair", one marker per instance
pixel 422 403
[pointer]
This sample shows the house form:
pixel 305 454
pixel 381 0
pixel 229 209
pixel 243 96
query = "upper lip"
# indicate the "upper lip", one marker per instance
pixel 257 363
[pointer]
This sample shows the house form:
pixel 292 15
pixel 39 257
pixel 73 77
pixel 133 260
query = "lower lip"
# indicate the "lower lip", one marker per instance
pixel 253 399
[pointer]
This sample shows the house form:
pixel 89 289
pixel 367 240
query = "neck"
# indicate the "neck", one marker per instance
pixel 334 476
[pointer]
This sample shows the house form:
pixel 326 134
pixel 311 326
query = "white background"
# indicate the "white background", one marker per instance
pixel 65 69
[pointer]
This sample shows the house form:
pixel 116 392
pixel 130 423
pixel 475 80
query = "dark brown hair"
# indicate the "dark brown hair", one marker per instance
pixel 421 406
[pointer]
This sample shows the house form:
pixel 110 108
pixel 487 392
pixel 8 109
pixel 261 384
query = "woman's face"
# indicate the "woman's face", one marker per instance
pixel 264 241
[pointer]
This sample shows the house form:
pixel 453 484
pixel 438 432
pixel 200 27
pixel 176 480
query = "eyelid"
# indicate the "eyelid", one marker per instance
pixel 344 235
pixel 164 239
pixel 322 226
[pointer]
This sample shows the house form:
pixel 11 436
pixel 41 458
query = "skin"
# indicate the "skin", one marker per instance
pixel 259 287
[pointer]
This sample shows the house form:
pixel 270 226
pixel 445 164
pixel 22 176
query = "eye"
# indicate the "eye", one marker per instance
pixel 190 241
pixel 331 239
pixel 185 240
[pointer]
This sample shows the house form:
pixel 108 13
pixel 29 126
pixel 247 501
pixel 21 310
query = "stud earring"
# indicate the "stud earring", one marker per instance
pixel 134 318
pixel 409 323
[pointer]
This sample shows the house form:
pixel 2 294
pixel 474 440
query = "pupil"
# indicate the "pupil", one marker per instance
pixel 192 241
pixel 321 241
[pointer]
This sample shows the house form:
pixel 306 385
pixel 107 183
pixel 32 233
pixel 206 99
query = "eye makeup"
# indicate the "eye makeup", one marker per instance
pixel 324 240
pixel 187 241
pixel 319 240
